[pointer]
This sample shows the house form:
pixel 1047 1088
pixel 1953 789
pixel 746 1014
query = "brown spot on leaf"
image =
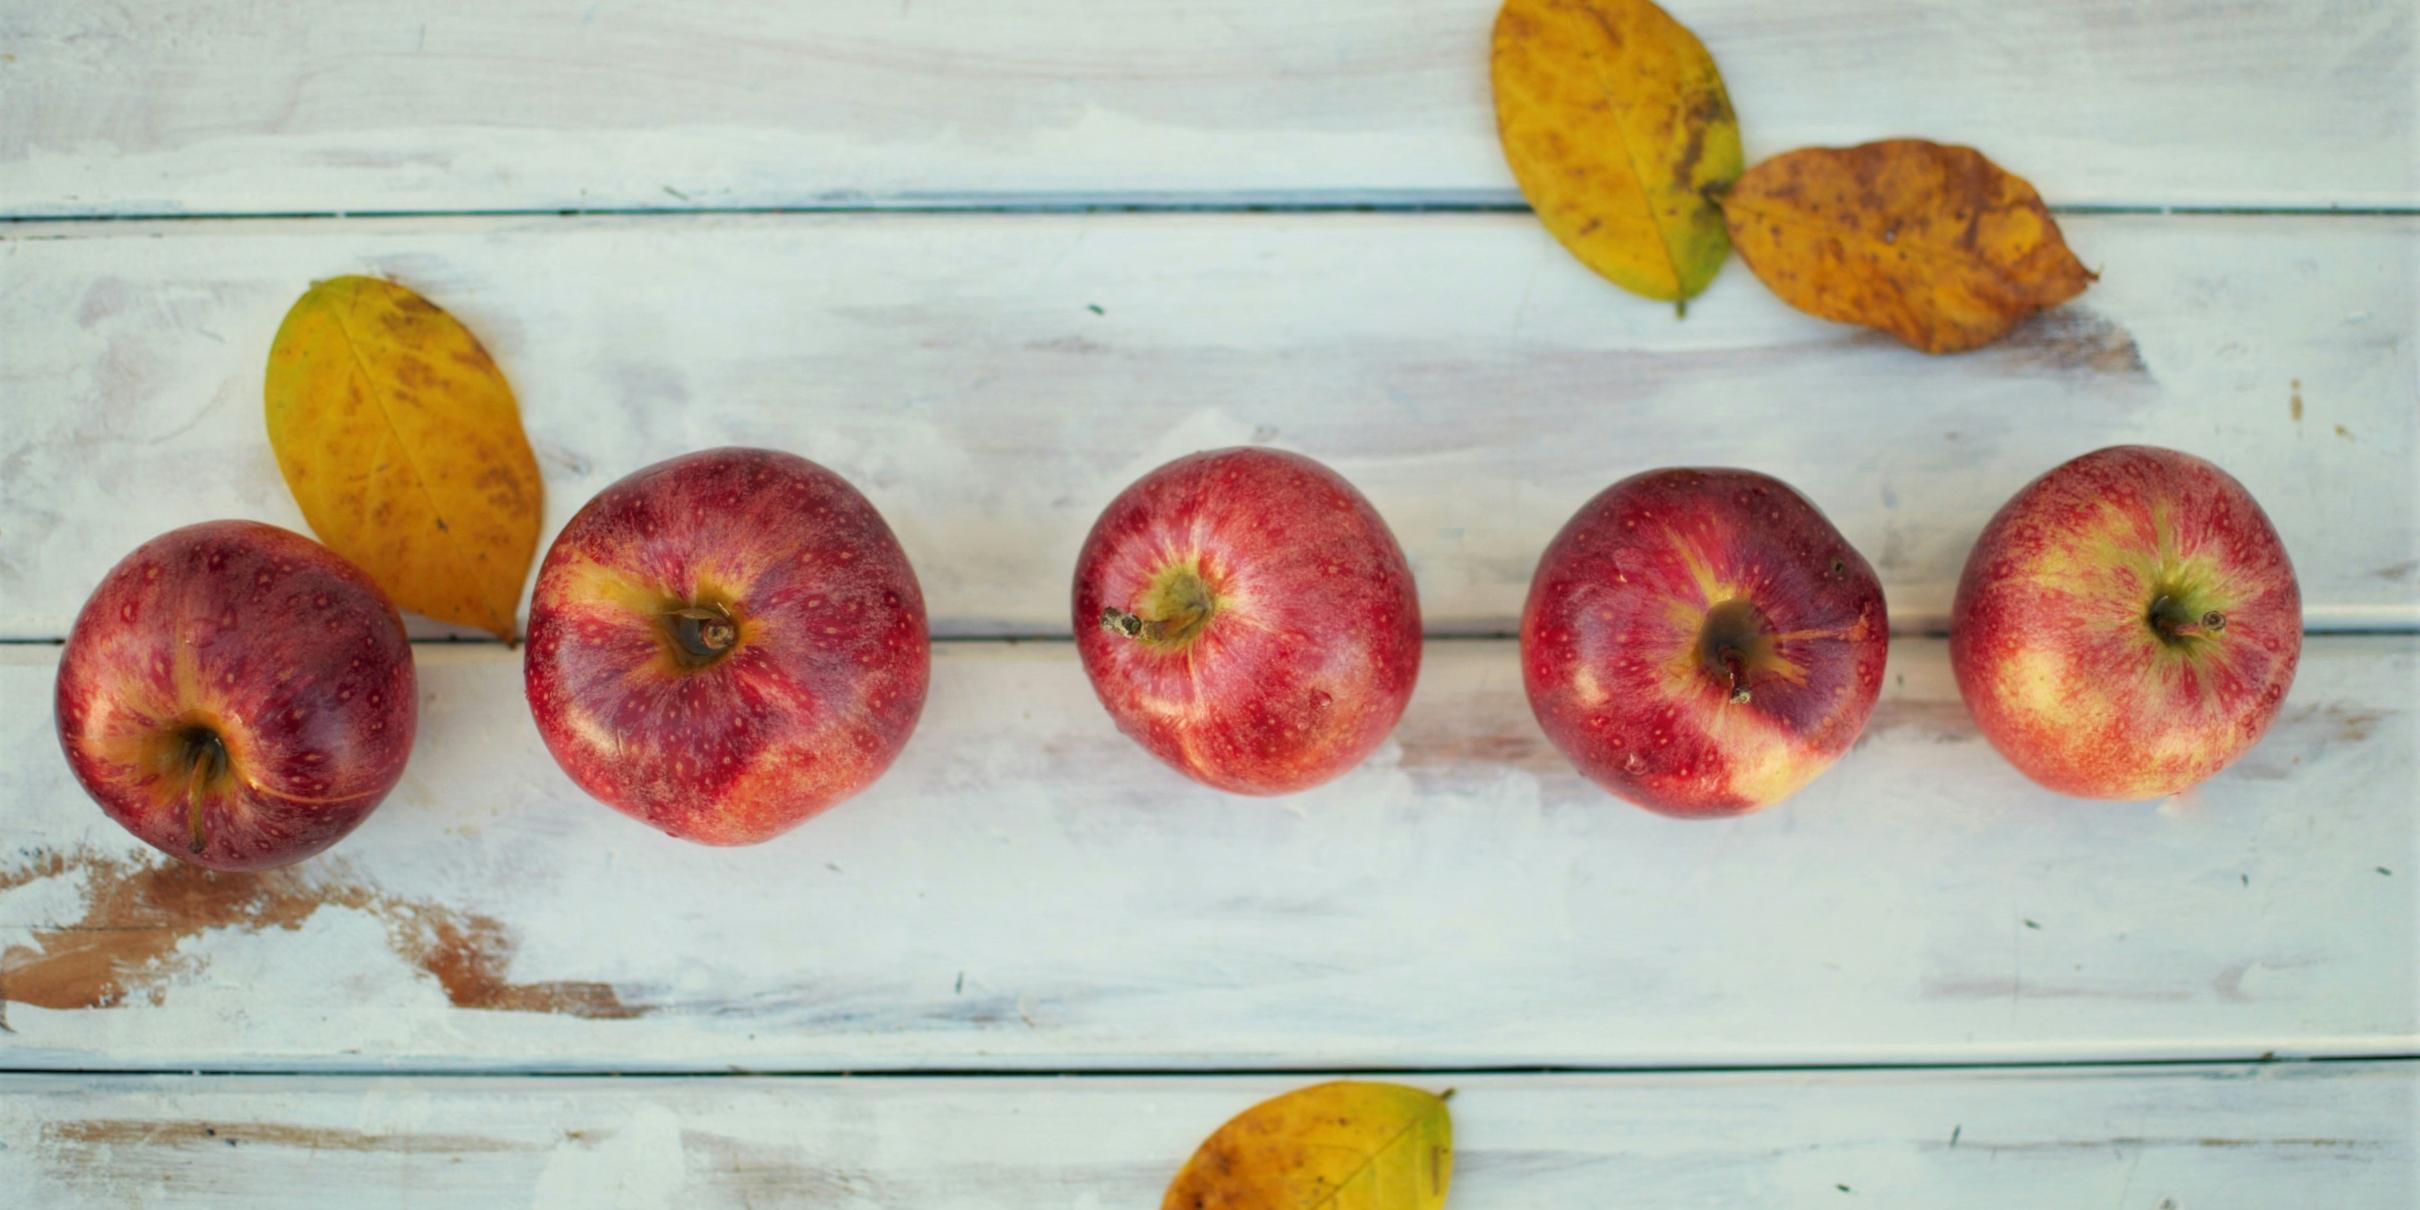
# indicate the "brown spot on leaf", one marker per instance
pixel 1707 109
pixel 413 374
pixel 136 915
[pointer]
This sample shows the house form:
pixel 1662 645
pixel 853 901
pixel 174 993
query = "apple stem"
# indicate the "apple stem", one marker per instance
pixel 206 759
pixel 1155 631
pixel 703 633
pixel 193 816
pixel 2172 622
pixel 1131 625
pixel 1738 668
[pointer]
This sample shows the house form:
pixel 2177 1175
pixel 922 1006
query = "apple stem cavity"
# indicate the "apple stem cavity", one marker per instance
pixel 1731 642
pixel 1173 611
pixel 702 634
pixel 205 764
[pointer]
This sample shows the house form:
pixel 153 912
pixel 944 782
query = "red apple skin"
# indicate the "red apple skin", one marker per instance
pixel 2063 636
pixel 813 697
pixel 1311 641
pixel 245 669
pixel 1637 607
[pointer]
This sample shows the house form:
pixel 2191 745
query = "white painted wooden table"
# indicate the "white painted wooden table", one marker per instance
pixel 993 260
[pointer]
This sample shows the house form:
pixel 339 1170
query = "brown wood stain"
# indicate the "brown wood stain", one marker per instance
pixel 135 915
pixel 153 1133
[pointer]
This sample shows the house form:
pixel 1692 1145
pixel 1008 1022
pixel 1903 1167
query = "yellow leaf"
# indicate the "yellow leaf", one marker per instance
pixel 1352 1144
pixel 400 439
pixel 1619 131
pixel 1933 244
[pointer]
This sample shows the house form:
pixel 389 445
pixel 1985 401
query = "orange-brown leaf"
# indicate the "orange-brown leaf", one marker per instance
pixel 1348 1143
pixel 402 443
pixel 1931 243
pixel 1616 125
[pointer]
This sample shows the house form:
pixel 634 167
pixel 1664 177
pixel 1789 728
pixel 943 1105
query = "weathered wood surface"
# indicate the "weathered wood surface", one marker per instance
pixel 2343 1136
pixel 991 381
pixel 247 106
pixel 1027 889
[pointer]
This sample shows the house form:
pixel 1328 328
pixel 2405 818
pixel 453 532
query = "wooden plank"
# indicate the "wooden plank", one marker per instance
pixel 1470 377
pixel 1028 889
pixel 233 106
pixel 2336 1135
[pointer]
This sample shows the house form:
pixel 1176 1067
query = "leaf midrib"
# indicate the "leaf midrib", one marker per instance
pixel 1372 1158
pixel 411 457
pixel 1638 180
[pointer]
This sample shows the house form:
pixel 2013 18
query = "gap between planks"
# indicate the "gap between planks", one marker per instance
pixel 1245 1071
pixel 1442 203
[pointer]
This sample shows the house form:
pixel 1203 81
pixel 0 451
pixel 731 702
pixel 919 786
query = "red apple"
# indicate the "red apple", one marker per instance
pixel 726 643
pixel 2127 625
pixel 1246 616
pixel 237 695
pixel 1702 642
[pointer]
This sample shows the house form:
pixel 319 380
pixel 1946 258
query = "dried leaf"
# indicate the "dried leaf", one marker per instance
pixel 400 439
pixel 1933 244
pixel 1350 1143
pixel 1619 131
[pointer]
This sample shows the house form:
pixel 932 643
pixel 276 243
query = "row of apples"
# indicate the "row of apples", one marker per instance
pixel 724 644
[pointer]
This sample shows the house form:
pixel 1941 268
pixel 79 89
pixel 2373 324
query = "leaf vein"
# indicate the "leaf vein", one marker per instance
pixel 411 457
pixel 1370 1159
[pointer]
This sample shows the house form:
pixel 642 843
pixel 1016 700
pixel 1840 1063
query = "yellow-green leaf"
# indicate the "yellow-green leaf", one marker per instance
pixel 1351 1143
pixel 400 439
pixel 1618 129
pixel 1930 242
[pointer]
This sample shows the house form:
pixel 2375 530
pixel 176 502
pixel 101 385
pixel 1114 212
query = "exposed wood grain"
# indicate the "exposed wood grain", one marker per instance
pixel 238 106
pixel 1028 889
pixel 992 381
pixel 2344 1136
